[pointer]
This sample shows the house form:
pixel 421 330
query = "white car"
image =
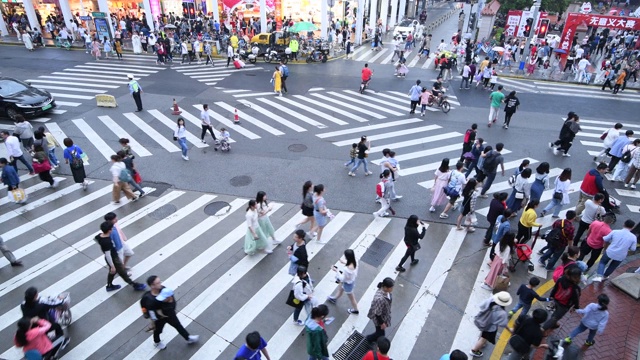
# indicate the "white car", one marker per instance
pixel 404 28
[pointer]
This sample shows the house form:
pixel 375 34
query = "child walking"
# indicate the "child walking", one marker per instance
pixel 526 294
pixel 595 317
pixel 352 154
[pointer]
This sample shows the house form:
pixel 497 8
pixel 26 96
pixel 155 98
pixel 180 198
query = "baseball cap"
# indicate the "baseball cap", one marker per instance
pixel 165 293
pixel 130 76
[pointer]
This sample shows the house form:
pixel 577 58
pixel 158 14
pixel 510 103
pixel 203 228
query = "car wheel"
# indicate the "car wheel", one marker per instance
pixel 12 113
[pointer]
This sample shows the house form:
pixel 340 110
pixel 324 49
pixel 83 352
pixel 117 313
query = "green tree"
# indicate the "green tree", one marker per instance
pixel 555 6
pixel 550 6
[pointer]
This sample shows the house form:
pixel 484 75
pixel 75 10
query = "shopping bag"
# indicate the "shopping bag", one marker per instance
pixel 17 196
pixel 85 159
pixel 501 284
pixel 137 178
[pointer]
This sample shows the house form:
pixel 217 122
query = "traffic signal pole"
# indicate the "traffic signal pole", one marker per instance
pixel 532 34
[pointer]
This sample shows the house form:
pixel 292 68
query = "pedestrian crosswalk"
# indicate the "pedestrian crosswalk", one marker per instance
pixel 566 89
pixel 73 86
pixel 211 75
pixel 414 60
pixel 201 258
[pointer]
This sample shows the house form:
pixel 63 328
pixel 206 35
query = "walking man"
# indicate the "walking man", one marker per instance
pixel 496 98
pixel 113 260
pixel 8 254
pixel 284 70
pixel 136 90
pixel 490 167
pixel 159 298
pixel 363 153
pixel 616 247
pixel 118 237
pixel 15 152
pixel 206 124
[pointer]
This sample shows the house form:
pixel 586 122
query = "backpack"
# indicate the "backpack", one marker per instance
pixel 125 175
pixel 380 188
pixel 553 236
pixel 491 161
pixel 76 161
pixel 285 71
pixel 559 271
pixel 512 179
pixel 145 303
pixel 467 136
pixel 482 320
pixel 626 157
pixel 562 295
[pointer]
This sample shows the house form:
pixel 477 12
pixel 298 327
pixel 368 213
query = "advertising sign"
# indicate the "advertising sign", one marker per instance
pixel 102 28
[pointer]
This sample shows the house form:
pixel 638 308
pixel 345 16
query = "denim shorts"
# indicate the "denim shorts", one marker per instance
pixel 348 288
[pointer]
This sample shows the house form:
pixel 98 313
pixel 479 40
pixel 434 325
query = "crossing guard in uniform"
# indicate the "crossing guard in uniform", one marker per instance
pixel 135 89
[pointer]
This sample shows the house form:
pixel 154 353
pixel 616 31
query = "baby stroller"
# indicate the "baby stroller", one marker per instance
pixel 223 144
pixel 523 253
pixel 61 314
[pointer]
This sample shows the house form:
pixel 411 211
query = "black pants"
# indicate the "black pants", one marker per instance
pixel 120 270
pixel 614 161
pixel 209 59
pixel 414 103
pixel 524 233
pixel 294 54
pixel 489 234
pixel 172 320
pixel 284 83
pixel 144 47
pixel 568 65
pixel 46 176
pixel 582 227
pixel 585 250
pixel 563 145
pixel 187 57
pixel 228 60
pixel 411 252
pixel 204 132
pixel 616 88
pixel 137 99
pixel 377 334
pixel 507 117
pixel 607 82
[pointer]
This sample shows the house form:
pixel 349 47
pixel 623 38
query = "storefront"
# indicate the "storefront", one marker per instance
pixel 122 8
pixel 297 10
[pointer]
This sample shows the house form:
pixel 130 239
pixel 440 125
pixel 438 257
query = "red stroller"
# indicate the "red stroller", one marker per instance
pixel 523 253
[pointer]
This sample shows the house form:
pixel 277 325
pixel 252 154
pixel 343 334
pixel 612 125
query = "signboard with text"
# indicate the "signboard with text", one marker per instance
pixel 594 20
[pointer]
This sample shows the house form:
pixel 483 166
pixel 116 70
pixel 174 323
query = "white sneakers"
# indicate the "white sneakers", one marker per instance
pixel 186 158
pixel 192 339
pixel 160 345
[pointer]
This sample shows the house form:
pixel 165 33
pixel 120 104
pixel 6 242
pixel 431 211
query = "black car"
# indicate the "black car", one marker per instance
pixel 20 98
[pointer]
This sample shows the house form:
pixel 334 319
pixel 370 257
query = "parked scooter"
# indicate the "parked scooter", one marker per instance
pixel 317 56
pixel 250 57
pixel 273 55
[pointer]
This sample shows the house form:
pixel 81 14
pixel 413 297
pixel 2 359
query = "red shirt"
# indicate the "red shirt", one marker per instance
pixel 366 74
pixel 37 338
pixel 369 356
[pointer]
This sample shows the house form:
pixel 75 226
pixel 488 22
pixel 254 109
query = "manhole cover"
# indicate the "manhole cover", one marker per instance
pixel 242 180
pixel 163 211
pixel 249 74
pixel 376 253
pixel 217 208
pixel 297 147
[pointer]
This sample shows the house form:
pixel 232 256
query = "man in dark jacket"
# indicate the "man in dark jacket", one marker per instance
pixel 567 133
pixel 528 330
pixel 556 246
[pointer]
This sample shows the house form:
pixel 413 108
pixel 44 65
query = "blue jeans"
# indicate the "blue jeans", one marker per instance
pixel 488 181
pixel 307 307
pixel 53 158
pixel 357 165
pixel 136 186
pixel 183 146
pixel 581 328
pixel 350 162
pixel 520 305
pixel 556 205
pixel 603 262
pixel 14 163
pixel 552 254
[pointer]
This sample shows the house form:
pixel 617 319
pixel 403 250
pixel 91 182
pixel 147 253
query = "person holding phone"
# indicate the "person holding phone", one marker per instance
pixel 411 240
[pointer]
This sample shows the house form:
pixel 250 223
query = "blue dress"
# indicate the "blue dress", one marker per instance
pixel 320 203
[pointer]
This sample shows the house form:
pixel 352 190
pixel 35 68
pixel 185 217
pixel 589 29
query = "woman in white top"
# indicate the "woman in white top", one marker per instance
pixel 346 276
pixel 560 194
pixel 120 182
pixel 263 217
pixel 634 170
pixel 137 43
pixel 255 239
pixel 521 190
pixel 610 137
pixel 180 135
pixel 621 170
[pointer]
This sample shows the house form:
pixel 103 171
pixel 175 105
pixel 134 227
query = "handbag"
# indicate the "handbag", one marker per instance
pixel 137 178
pixel 501 283
pixel 416 247
pixel 519 195
pixel 17 196
pixel 557 195
pixel 604 135
pixel 39 167
pixel 518 344
pixel 293 301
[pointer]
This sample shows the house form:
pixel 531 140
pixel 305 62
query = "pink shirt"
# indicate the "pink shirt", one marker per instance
pixel 37 338
pixel 424 97
pixel 597 230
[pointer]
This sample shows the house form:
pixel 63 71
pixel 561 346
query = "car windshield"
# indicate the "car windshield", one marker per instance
pixel 10 87
pixel 405 23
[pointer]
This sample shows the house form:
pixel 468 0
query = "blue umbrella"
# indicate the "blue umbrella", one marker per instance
pixel 560 51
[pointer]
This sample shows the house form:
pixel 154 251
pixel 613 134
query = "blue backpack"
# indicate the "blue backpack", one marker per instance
pixel 285 71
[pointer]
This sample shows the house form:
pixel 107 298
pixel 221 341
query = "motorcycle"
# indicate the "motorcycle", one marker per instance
pixel 317 56
pixel 442 102
pixel 251 57
pixel 273 55
pixel 364 85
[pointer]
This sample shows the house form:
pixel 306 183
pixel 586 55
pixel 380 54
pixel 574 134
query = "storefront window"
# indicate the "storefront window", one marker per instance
pixel 122 8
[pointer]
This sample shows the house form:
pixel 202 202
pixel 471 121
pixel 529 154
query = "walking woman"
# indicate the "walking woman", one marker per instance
pixel 40 139
pixel 24 131
pixel 565 295
pixel 346 276
pixel 118 48
pixel 316 334
pixel 73 156
pixel 560 194
pixel 135 176
pixel 42 166
pixel 263 217
pixel 504 227
pixel 297 252
pixel 511 105
pixel 411 240
pixel 254 240
pixel 500 261
pixel 527 221
pixel 320 211
pixel 95 49
pixel 440 181
pixel 634 171
pixel 380 310
pixel 181 136
pixel 307 207
pixel 52 144
pixel 521 190
pixel 469 196
pixel 497 207
pixel 277 81
pixel 541 182
pixel 106 45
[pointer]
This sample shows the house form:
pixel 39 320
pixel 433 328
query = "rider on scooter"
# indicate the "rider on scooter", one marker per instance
pixel 32 307
pixel 437 90
pixel 366 74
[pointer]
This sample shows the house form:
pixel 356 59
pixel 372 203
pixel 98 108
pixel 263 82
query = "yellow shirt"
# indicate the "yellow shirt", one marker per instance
pixel 528 218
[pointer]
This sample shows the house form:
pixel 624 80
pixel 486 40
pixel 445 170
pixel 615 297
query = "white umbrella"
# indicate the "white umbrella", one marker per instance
pixel 170 26
pixel 498 48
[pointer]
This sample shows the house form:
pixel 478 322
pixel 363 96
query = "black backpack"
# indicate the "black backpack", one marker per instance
pixel 491 161
pixel 553 236
pixel 146 304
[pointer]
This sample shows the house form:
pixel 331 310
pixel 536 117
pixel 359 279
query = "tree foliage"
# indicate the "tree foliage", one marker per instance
pixel 550 6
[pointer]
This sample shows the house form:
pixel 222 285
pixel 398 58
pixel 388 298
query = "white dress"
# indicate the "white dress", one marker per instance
pixel 251 245
pixel 26 39
pixel 137 44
